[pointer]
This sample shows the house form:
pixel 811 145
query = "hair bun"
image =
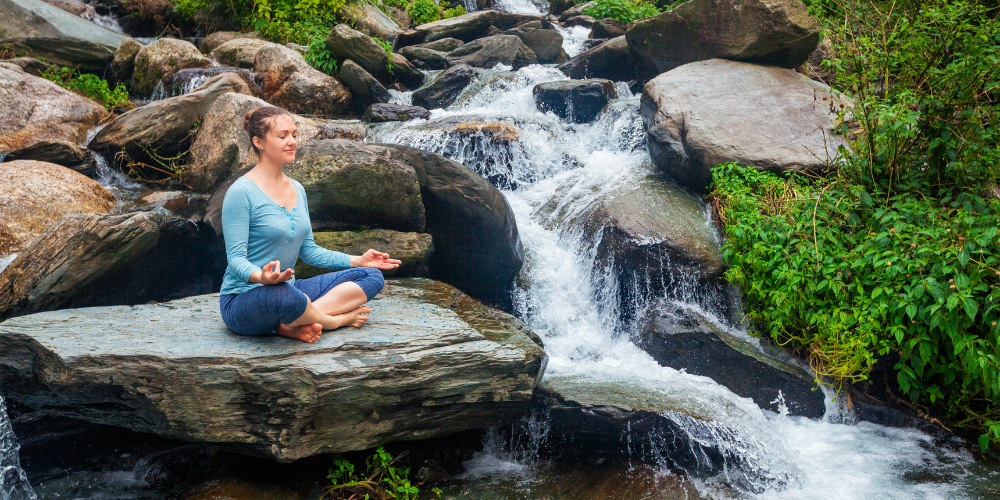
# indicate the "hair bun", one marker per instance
pixel 246 119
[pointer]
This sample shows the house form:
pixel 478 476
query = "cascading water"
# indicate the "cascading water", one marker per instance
pixel 551 173
pixel 13 481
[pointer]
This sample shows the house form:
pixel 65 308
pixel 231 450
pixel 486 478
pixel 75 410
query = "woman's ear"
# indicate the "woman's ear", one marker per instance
pixel 258 143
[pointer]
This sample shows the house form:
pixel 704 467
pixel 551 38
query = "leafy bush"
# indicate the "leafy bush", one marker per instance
pixel 893 257
pixel 455 11
pixel 625 11
pixel 319 57
pixel 297 21
pixel 90 86
pixel 424 11
pixel 383 480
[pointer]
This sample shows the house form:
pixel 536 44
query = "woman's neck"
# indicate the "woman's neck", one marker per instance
pixel 269 168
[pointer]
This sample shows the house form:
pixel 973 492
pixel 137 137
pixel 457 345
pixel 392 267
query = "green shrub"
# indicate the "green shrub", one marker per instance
pixel 319 57
pixel 455 11
pixel 625 11
pixel 90 86
pixel 383 480
pixel 296 21
pixel 424 11
pixel 894 256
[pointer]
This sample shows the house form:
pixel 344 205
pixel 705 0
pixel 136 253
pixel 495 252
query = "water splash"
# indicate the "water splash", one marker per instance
pixel 574 38
pixel 14 483
pixel 6 260
pixel 521 6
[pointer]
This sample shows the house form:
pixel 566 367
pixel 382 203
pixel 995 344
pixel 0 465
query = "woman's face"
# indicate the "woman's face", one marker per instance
pixel 280 143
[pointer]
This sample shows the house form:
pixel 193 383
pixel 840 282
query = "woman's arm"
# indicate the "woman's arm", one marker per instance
pixel 236 231
pixel 317 256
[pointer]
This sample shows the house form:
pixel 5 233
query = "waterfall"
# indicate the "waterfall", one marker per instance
pixel 13 481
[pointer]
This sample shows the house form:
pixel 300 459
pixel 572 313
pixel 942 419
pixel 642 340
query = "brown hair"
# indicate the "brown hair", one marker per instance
pixel 257 122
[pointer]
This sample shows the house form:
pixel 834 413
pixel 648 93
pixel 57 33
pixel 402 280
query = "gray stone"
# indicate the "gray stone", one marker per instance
pixel 682 338
pixel 214 40
pixel 557 7
pixel 445 88
pixel 710 112
pixel 365 89
pixel 507 20
pixel 575 11
pixel 161 58
pixel 241 51
pixel 578 101
pixel 47 32
pixel 442 45
pixel 414 249
pixel 611 60
pixel 466 27
pixel 370 20
pixel 62 153
pixel 607 28
pixel 124 60
pixel 385 112
pixel 585 21
pixel 490 51
pixel 180 203
pixel 29 65
pixel 546 44
pixel 310 91
pixel 346 43
pixel 771 32
pixel 429 363
pixel 424 58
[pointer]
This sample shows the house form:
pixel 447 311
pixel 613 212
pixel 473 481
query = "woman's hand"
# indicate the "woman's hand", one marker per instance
pixel 272 275
pixel 376 259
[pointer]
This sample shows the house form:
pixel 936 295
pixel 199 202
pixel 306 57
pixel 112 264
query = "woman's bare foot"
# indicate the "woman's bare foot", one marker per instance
pixel 305 333
pixel 355 318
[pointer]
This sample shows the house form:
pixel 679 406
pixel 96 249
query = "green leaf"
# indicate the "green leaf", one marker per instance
pixel 970 309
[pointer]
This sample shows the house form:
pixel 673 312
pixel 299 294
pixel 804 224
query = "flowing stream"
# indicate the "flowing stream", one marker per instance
pixel 13 481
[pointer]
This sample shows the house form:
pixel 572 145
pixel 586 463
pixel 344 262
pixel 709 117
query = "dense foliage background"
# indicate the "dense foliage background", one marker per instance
pixel 892 255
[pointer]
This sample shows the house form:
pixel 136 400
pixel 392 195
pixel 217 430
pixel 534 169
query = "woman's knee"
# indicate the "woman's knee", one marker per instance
pixel 292 303
pixel 372 282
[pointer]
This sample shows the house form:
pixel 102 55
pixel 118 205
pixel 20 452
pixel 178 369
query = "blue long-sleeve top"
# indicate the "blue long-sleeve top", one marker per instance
pixel 258 230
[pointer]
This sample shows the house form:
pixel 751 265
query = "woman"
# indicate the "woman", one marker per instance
pixel 265 220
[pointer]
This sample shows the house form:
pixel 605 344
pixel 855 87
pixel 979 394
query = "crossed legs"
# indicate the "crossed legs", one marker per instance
pixel 340 301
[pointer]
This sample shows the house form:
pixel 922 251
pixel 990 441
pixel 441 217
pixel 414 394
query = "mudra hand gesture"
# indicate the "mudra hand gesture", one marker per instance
pixel 376 259
pixel 272 274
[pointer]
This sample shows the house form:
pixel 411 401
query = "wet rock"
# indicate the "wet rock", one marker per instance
pixel 767 117
pixel 466 27
pixel 443 90
pixel 424 58
pixel 546 44
pixel 161 128
pixel 161 58
pixel 778 33
pixel 332 173
pixel 585 21
pixel 214 40
pixel 607 28
pixel 124 61
pixel 507 20
pixel 403 71
pixel 47 32
pixel 180 203
pixel 414 249
pixel 346 43
pixel 370 20
pixel 611 60
pixel 442 45
pixel 222 146
pixel 557 7
pixel 385 112
pixel 89 259
pixel 593 42
pixel 579 101
pixel 429 363
pixel 490 51
pixel 681 338
pixel 241 52
pixel 33 194
pixel 187 80
pixel 476 243
pixel 365 89
pixel 574 11
pixel 35 109
pixel 62 153
pixel 29 65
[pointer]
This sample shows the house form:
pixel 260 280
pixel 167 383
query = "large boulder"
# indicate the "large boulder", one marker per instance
pixel 430 362
pixel 370 20
pixel 240 52
pixel 222 146
pixel 161 129
pixel 365 88
pixel 772 32
pixel 161 58
pixel 425 58
pixel 385 112
pixel 276 63
pixel 508 20
pixel 575 11
pixel 611 60
pixel 350 185
pixel 45 31
pixel 546 44
pixel 492 50
pixel 33 194
pixel 710 112
pixel 607 28
pixel 214 40
pixel 414 249
pixel 466 27
pixel 346 43
pixel 682 338
pixel 92 259
pixel 476 243
pixel 62 153
pixel 310 91
pixel 35 109
pixel 443 90
pixel 578 101
pixel 585 21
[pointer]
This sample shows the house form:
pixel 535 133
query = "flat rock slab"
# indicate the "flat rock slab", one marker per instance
pixel 431 361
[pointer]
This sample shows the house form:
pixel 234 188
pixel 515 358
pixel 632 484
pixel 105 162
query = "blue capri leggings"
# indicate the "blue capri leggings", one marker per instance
pixel 260 310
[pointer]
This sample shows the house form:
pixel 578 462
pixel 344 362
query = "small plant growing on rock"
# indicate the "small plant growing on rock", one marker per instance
pixel 320 58
pixel 383 480
pixel 625 11
pixel 387 47
pixel 90 86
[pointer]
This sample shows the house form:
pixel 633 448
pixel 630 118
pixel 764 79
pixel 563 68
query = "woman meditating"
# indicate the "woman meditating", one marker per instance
pixel 265 220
